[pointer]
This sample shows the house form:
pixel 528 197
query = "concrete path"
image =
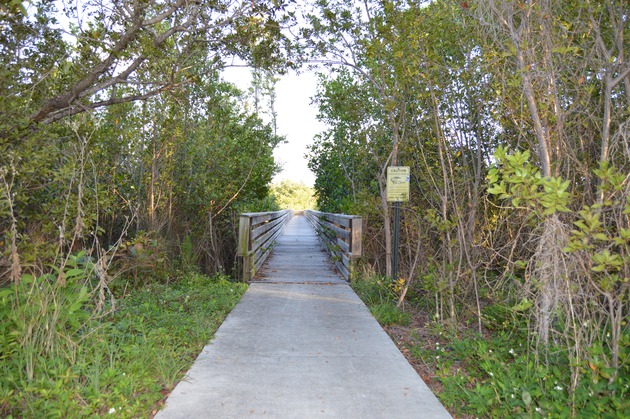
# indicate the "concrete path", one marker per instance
pixel 301 344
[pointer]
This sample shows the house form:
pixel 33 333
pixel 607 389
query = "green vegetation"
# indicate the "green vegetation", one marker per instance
pixel 61 360
pixel 124 157
pixel 294 195
pixel 380 298
pixel 499 374
pixel 117 132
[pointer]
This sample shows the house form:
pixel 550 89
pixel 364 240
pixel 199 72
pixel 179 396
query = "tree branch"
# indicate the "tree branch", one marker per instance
pixel 69 111
pixel 64 100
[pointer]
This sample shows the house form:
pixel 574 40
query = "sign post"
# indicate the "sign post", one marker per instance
pixel 398 178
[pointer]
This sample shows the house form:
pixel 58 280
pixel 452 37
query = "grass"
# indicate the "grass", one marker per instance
pixel 381 301
pixel 499 374
pixel 125 364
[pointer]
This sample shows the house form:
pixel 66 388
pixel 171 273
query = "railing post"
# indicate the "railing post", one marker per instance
pixel 356 234
pixel 257 232
pixel 356 226
pixel 244 244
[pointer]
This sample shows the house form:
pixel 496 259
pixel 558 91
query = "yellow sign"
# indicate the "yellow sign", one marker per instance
pixel 398 183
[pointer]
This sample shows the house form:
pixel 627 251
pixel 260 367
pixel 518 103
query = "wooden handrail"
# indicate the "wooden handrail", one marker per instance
pixel 257 232
pixel 341 234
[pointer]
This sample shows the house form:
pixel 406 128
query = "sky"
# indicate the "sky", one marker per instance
pixel 296 120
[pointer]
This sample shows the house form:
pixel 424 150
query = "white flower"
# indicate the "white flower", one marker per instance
pixel 512 395
pixel 491 374
pixel 559 388
pixel 538 409
pixel 112 410
pixel 511 351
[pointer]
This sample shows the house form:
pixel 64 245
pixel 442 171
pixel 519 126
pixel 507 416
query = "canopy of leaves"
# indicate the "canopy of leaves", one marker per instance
pixel 293 195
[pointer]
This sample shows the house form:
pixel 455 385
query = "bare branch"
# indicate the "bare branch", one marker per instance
pixel 251 169
pixel 122 77
pixel 160 17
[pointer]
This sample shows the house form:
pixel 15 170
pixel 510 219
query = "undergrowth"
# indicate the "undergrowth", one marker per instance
pixel 58 360
pixel 381 300
pixel 500 374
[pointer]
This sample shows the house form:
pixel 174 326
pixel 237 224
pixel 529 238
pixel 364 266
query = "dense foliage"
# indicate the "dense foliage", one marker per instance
pixel 124 157
pixel 513 117
pixel 293 195
pixel 113 130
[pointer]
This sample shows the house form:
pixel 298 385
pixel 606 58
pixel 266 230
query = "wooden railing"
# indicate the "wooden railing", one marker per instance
pixel 257 233
pixel 341 234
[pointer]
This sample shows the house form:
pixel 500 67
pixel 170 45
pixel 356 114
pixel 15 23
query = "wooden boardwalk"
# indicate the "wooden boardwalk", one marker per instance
pixel 301 344
pixel 298 257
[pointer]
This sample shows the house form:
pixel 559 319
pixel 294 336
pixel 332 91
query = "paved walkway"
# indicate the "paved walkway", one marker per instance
pixel 301 344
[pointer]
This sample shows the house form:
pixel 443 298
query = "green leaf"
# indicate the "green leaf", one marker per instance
pixel 83 295
pixel 493 175
pixel 5 292
pixel 581 225
pixel 71 273
pixel 523 305
pixel 497 189
pixel 27 279
pixel 527 398
pixel 598 268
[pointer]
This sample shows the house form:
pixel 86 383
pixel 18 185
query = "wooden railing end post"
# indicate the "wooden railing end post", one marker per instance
pixel 244 244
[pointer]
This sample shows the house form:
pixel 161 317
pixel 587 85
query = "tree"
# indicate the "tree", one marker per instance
pixel 369 41
pixel 293 195
pixel 160 39
pixel 101 101
pixel 545 50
